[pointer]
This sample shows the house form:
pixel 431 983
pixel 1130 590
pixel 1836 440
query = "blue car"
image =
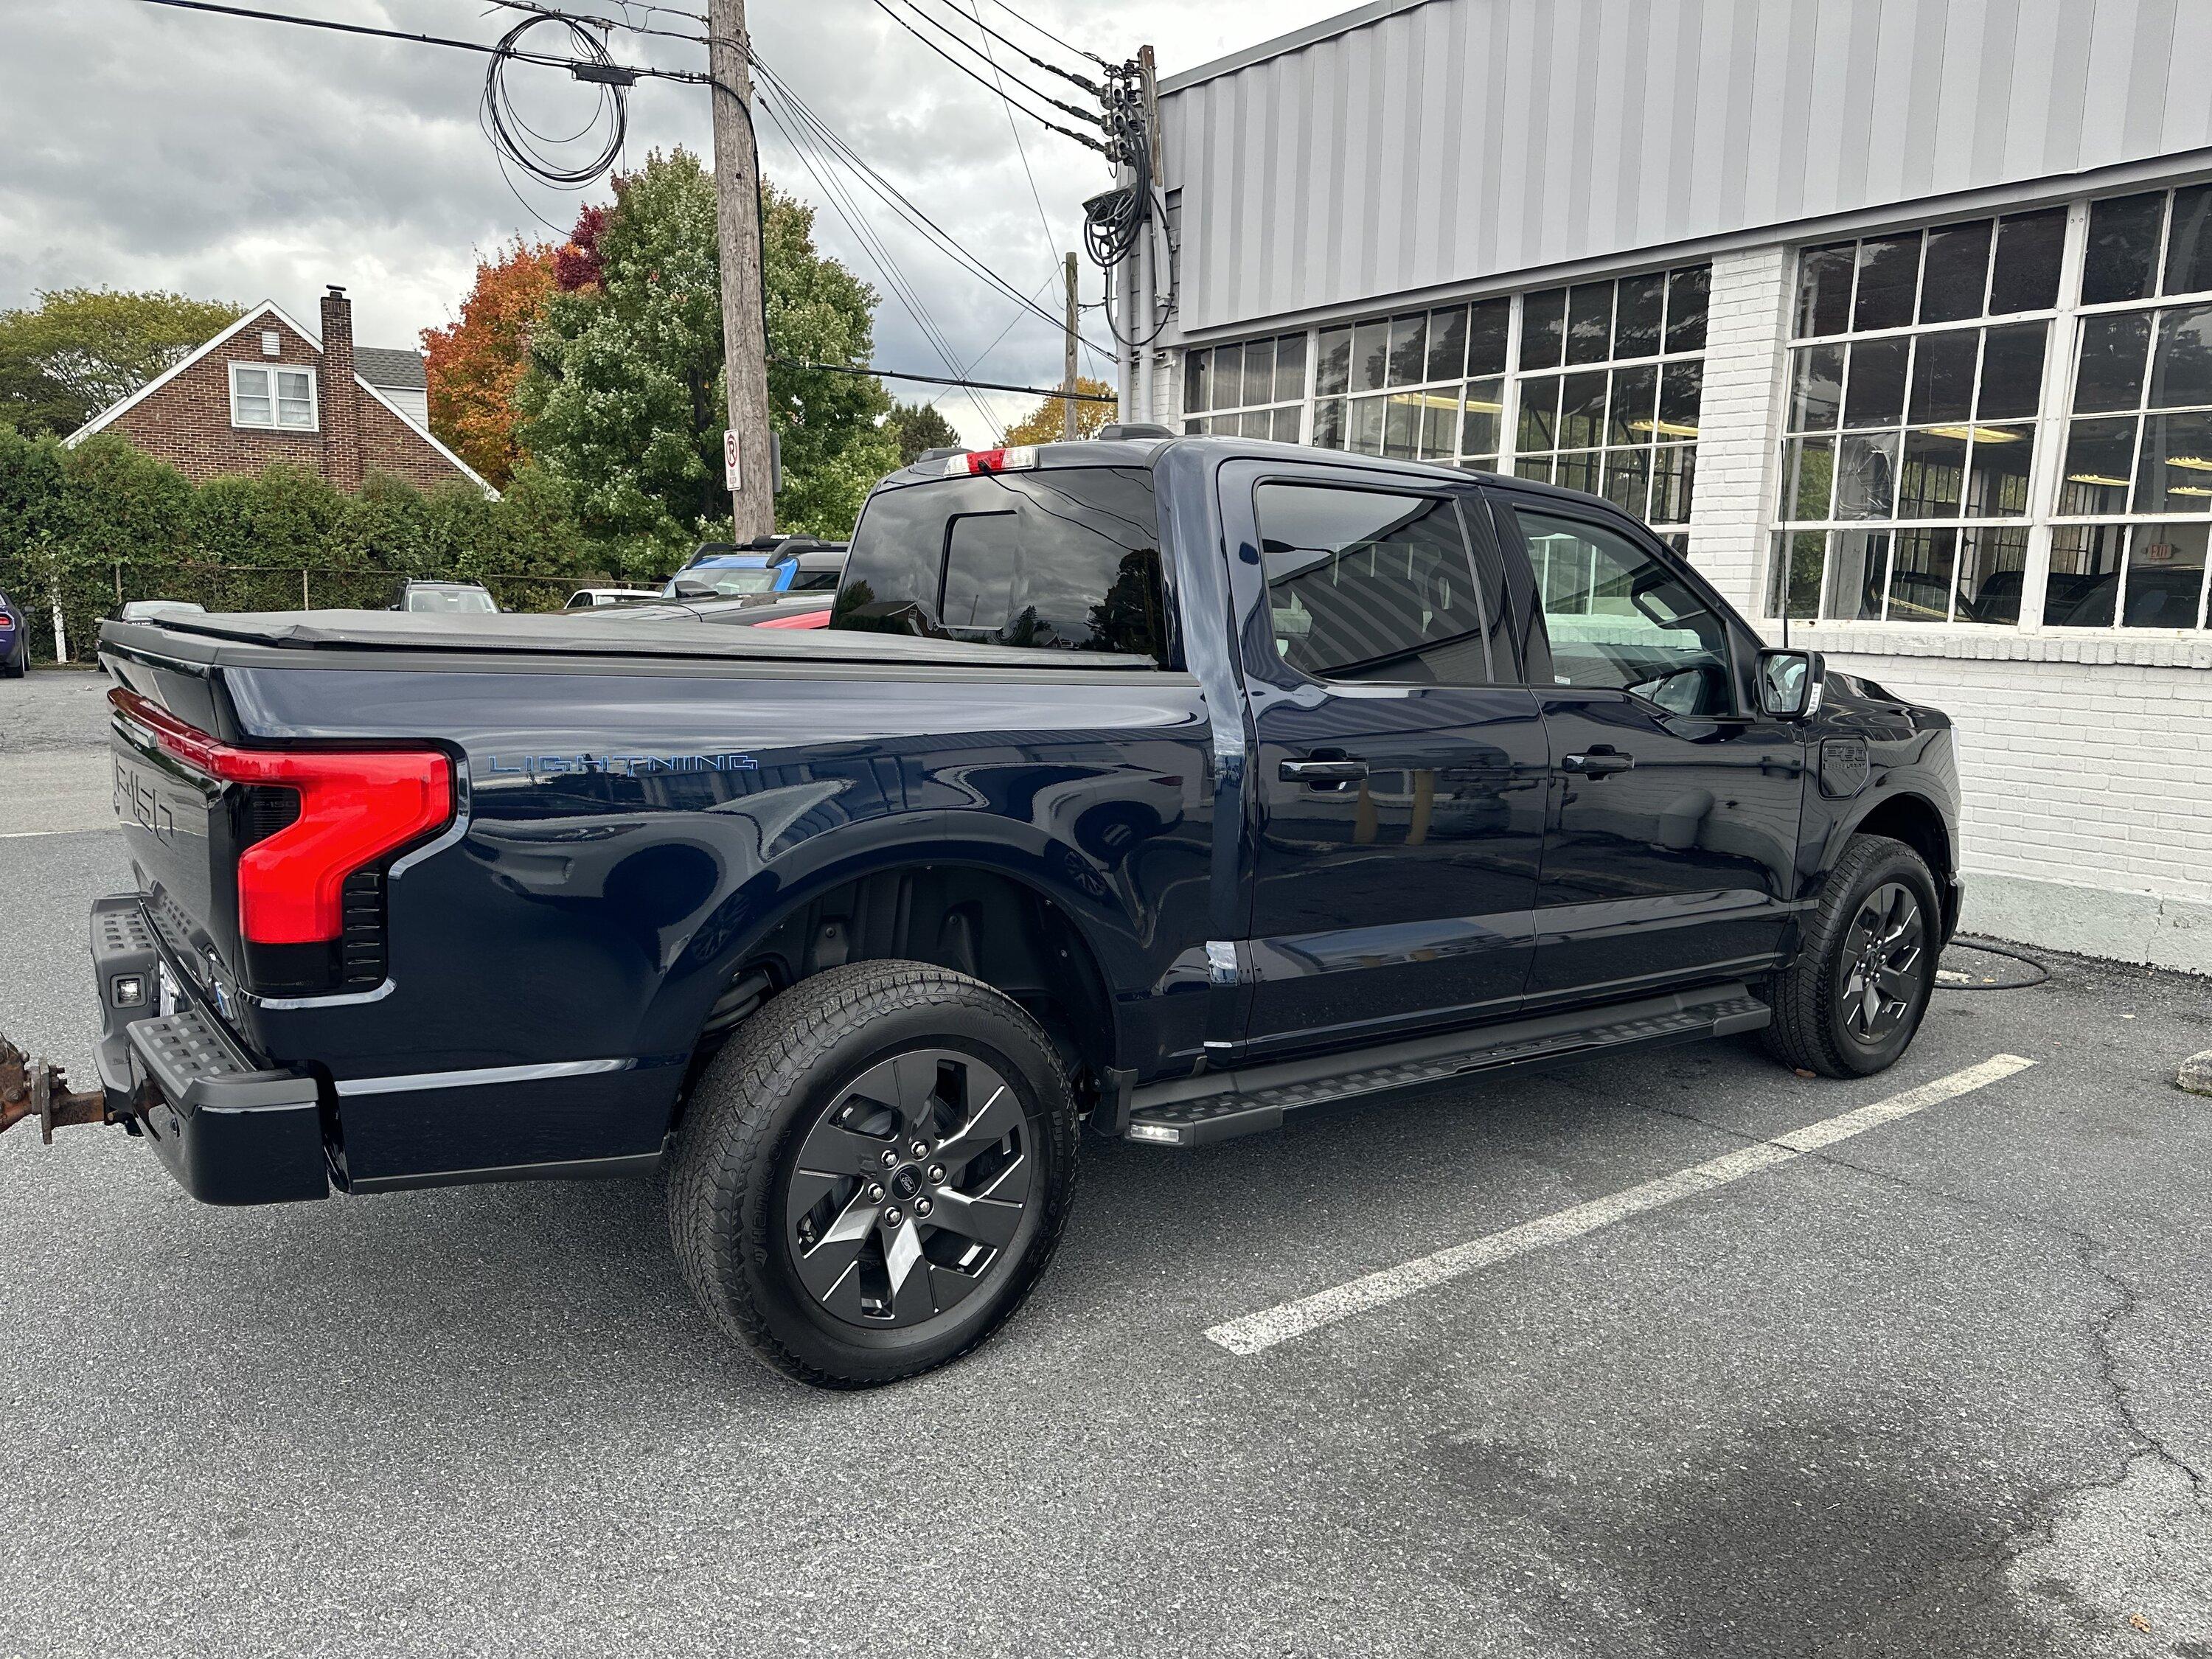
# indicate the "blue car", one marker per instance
pixel 780 564
pixel 15 640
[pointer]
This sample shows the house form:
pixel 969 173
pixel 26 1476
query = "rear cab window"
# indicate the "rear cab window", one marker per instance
pixel 1064 558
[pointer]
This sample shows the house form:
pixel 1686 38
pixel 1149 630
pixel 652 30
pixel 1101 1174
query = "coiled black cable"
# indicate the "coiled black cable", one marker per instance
pixel 540 154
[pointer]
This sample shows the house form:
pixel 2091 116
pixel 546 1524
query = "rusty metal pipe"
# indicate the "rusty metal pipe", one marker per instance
pixel 39 1088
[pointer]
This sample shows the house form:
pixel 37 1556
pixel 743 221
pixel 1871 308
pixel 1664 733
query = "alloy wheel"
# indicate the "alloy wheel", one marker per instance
pixel 1883 962
pixel 908 1188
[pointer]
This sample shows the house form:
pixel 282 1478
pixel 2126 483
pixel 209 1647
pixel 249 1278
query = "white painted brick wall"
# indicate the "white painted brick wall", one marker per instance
pixel 1738 419
pixel 2093 775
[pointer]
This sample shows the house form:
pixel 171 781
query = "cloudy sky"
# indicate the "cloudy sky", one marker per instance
pixel 225 158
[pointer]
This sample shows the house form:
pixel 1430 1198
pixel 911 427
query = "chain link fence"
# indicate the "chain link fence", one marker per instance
pixel 64 604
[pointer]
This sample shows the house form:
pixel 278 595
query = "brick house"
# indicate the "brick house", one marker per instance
pixel 266 390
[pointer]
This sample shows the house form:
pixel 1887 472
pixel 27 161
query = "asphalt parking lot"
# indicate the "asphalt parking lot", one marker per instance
pixel 1934 1389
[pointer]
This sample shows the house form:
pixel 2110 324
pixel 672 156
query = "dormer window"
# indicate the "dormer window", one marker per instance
pixel 272 397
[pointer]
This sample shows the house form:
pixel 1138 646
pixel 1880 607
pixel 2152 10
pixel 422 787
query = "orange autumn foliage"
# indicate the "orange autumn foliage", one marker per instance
pixel 474 363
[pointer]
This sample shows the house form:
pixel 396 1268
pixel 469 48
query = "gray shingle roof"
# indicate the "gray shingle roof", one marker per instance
pixel 388 366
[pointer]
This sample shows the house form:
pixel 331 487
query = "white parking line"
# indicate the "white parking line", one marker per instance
pixel 1256 1333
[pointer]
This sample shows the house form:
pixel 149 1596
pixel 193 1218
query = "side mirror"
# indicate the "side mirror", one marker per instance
pixel 693 587
pixel 1789 683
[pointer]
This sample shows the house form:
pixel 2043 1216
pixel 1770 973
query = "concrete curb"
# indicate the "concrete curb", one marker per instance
pixel 2196 1074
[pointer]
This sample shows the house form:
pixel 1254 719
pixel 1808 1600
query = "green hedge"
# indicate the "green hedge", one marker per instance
pixel 93 526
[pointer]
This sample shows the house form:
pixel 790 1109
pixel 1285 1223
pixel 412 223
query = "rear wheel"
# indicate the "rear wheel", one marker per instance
pixel 1851 1002
pixel 873 1173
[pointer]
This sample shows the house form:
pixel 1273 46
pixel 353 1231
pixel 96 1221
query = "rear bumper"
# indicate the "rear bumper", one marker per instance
pixel 231 1129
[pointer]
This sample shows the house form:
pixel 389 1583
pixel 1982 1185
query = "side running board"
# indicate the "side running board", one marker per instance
pixel 1221 1105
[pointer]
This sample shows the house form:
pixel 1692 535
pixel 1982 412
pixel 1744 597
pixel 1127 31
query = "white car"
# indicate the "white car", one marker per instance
pixel 587 598
pixel 150 609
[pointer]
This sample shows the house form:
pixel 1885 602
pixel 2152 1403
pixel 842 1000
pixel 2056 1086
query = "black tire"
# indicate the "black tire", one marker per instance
pixel 1824 1020
pixel 789 1080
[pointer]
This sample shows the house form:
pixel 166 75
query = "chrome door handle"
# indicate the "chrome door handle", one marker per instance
pixel 1597 763
pixel 1323 771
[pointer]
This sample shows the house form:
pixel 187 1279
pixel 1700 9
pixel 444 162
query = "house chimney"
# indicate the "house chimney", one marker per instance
pixel 337 394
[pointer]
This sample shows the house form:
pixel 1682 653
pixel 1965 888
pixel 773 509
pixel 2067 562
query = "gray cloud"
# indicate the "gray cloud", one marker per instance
pixel 249 160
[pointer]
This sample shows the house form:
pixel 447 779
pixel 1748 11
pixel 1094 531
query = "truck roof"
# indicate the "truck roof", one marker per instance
pixel 1147 452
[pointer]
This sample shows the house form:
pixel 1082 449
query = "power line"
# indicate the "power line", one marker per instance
pixel 1089 143
pixel 897 202
pixel 1089 86
pixel 1029 23
pixel 940 380
pixel 1051 242
pixel 624 25
pixel 544 59
pixel 877 253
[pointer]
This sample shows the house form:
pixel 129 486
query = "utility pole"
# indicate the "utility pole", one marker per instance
pixel 744 332
pixel 1067 376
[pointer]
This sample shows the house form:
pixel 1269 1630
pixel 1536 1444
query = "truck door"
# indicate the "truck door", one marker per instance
pixel 1397 768
pixel 1674 804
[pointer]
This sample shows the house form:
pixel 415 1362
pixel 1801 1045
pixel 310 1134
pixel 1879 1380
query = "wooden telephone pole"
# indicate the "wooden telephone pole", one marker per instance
pixel 1068 375
pixel 748 467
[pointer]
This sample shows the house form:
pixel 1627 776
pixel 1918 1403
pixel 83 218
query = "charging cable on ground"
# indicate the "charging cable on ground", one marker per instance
pixel 1988 947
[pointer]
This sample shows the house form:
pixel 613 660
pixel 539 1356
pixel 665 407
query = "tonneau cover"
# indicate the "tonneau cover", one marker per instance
pixel 583 633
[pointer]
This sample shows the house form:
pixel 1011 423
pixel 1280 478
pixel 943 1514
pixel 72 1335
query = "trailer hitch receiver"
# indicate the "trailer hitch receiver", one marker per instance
pixel 39 1089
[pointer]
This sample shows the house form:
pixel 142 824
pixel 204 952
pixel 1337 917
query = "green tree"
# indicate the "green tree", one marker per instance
pixel 81 349
pixel 624 403
pixel 916 427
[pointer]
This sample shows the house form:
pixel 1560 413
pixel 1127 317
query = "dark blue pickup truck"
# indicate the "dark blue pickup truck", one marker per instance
pixel 1173 788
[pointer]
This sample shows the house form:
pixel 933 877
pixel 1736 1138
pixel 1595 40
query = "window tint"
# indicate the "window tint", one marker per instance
pixel 1619 618
pixel 1371 586
pixel 1065 556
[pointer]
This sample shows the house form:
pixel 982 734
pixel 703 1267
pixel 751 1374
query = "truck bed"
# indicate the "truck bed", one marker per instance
pixel 204 638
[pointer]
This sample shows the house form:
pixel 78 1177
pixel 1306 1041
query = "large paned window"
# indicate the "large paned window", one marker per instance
pixel 1596 387
pixel 2128 546
pixel 1911 417
pixel 1932 369
pixel 1426 385
pixel 1249 389
pixel 1611 374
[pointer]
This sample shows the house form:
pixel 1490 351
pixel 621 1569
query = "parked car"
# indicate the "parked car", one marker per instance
pixel 753 610
pixel 817 569
pixel 15 640
pixel 589 599
pixel 148 610
pixel 773 564
pixel 445 599
pixel 1177 787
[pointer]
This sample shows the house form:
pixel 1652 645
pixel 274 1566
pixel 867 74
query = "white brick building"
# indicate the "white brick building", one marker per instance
pixel 1898 314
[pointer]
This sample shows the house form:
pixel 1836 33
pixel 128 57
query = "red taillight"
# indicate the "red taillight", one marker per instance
pixel 356 805
pixel 1015 457
pixel 804 619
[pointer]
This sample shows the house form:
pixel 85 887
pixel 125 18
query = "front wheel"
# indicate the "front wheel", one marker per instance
pixel 873 1173
pixel 1851 1002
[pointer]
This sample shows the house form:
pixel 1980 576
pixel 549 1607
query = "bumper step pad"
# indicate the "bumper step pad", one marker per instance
pixel 1260 1098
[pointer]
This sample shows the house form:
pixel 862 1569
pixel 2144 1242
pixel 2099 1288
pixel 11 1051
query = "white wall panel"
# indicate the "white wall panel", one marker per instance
pixel 1417 143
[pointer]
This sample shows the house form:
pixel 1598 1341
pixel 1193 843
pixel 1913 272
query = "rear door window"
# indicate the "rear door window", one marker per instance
pixel 1064 558
pixel 1373 584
